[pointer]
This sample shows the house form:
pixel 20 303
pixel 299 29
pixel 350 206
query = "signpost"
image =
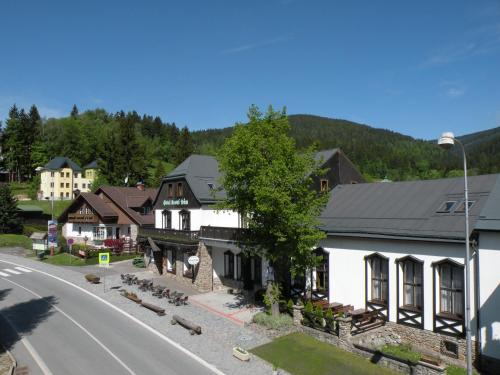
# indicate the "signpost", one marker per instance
pixel 104 262
pixel 52 235
pixel 70 245
pixel 193 260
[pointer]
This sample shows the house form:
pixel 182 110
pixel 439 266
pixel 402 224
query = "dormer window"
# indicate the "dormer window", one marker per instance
pixel 447 207
pixel 461 206
pixel 170 190
pixel 180 191
pixel 324 185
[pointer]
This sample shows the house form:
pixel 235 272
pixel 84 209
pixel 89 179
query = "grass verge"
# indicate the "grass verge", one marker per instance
pixel 64 259
pixel 46 206
pixel 403 352
pixel 15 240
pixel 456 370
pixel 300 354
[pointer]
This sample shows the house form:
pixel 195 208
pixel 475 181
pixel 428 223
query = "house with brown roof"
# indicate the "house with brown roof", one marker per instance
pixel 109 213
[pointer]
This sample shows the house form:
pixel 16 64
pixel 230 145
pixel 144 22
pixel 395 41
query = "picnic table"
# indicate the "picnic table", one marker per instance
pixel 363 319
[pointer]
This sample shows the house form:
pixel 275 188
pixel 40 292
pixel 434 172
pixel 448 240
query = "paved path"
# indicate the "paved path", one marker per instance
pixel 213 346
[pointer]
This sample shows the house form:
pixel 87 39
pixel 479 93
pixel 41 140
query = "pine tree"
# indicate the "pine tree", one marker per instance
pixel 9 219
pixel 74 111
pixel 184 146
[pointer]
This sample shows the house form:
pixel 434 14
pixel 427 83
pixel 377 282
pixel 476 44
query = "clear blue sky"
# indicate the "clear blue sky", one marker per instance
pixel 417 67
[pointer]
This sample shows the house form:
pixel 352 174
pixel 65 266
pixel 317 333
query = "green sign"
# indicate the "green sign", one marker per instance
pixel 175 202
pixel 104 259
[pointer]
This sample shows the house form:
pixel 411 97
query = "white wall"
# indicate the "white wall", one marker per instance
pixel 489 293
pixel 70 230
pixel 347 269
pixel 201 217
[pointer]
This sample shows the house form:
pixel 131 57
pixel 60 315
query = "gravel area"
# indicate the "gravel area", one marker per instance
pixel 5 362
pixel 214 345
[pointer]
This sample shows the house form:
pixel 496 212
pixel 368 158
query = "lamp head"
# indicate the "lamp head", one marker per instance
pixel 447 140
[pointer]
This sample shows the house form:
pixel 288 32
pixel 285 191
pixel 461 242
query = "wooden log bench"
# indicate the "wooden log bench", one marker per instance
pixel 193 328
pixel 158 310
pixel 131 296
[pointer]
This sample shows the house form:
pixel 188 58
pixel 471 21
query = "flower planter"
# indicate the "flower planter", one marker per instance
pixel 241 354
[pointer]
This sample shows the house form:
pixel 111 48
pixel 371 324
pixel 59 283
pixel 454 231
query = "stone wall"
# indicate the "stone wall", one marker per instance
pixel 204 270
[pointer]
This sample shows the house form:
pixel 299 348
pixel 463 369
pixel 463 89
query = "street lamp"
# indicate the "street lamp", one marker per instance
pixel 446 141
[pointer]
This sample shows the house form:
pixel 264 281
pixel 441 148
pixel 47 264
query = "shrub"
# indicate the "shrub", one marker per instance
pixel 259 296
pixel 309 314
pixel 289 307
pixel 273 322
pixel 319 319
pixel 330 321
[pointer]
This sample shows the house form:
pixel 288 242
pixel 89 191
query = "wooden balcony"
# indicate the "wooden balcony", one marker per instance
pixel 221 233
pixel 170 235
pixel 83 218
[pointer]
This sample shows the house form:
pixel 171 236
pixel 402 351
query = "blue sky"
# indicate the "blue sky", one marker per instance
pixel 418 68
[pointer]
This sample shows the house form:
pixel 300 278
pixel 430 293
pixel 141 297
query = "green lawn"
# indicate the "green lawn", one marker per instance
pixel 46 206
pixel 64 259
pixel 300 354
pixel 15 240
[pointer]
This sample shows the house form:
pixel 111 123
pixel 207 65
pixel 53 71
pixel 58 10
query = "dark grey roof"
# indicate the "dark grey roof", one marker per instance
pixel 61 162
pixel 408 209
pixel 325 155
pixel 200 171
pixel 91 165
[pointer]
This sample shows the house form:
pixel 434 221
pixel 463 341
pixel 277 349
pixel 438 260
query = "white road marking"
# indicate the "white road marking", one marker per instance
pixel 22 269
pixel 4 274
pixel 39 361
pixel 79 326
pixel 200 360
pixel 12 271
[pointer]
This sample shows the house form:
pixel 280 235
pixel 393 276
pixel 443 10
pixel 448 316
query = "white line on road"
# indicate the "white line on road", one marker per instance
pixel 4 274
pixel 200 360
pixel 22 269
pixel 39 361
pixel 12 271
pixel 79 326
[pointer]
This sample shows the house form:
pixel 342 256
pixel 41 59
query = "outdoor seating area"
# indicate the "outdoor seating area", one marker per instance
pixel 159 291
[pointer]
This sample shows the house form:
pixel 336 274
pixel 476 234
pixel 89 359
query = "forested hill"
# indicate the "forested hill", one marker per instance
pixel 380 153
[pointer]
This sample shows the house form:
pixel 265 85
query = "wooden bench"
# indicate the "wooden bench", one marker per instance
pixel 158 310
pixel 364 320
pixel 193 328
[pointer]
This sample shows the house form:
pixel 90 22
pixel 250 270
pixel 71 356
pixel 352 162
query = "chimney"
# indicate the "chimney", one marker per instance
pixel 140 185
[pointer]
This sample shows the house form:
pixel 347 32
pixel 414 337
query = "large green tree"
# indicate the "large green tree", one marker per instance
pixel 269 182
pixel 9 219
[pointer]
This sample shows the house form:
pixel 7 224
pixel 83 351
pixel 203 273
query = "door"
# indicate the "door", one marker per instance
pixel 117 231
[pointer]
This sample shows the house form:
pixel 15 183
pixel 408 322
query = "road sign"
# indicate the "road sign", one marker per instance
pixel 193 260
pixel 70 241
pixel 104 259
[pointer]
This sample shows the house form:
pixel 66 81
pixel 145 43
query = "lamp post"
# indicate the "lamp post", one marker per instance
pixel 446 141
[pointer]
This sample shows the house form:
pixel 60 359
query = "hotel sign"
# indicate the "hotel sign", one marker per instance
pixel 82 218
pixel 175 202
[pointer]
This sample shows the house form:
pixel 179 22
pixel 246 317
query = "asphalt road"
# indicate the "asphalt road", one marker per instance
pixel 55 328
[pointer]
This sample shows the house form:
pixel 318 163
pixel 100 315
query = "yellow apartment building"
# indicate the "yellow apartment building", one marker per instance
pixel 62 179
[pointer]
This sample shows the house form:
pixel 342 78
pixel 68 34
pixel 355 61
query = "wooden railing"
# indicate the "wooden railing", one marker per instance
pixel 221 233
pixel 189 236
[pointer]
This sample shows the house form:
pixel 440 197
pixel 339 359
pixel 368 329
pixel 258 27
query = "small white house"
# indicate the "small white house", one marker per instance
pixel 399 248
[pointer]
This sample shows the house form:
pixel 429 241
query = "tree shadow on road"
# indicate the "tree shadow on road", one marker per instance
pixel 22 318
pixel 4 292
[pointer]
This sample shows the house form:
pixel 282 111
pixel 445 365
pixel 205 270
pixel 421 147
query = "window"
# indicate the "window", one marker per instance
pixel 188 268
pixel 62 184
pixel 128 231
pixel 229 265
pixel 185 221
pixel 446 207
pixel 451 289
pixel 79 231
pixel 109 232
pixel 51 184
pixel 61 195
pixel 76 186
pixel 67 195
pixel 67 185
pixel 80 211
pixel 62 174
pixel 322 273
pixel 51 193
pixel 461 206
pixel 51 174
pixel 412 284
pixel 99 233
pixel 239 276
pixel 170 191
pixel 67 174
pixel 146 210
pixel 379 277
pixel 180 192
pixel 166 219
pixel 84 186
pixel 324 185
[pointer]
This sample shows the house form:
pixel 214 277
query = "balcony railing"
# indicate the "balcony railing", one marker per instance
pixel 221 233
pixel 182 236
pixel 83 218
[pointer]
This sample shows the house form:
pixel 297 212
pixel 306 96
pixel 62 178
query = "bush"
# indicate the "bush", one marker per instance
pixel 259 296
pixel 289 307
pixel 318 315
pixel 273 322
pixel 309 316
pixel 330 321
